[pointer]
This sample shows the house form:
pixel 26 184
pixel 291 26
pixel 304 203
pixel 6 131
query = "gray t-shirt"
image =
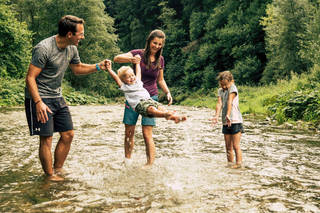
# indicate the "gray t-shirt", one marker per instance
pixel 134 93
pixel 235 114
pixel 53 62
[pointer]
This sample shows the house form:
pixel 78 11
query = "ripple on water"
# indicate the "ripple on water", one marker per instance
pixel 280 173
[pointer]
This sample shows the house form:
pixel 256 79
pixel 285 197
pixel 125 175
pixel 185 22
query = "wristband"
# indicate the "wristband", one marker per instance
pixel 97 67
pixel 35 103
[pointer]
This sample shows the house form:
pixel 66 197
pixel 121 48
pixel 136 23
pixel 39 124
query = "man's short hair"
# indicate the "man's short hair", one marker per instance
pixel 68 23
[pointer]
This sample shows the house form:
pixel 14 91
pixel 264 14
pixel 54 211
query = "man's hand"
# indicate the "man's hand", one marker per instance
pixel 42 110
pixel 103 64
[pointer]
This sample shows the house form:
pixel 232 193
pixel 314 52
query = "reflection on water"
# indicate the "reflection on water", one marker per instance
pixel 281 168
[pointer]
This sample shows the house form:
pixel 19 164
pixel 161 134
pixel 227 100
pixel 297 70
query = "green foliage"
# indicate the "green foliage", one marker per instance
pixel 301 102
pixel 15 44
pixel 11 92
pixel 100 38
pixel 284 24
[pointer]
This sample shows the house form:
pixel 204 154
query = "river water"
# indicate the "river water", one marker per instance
pixel 281 171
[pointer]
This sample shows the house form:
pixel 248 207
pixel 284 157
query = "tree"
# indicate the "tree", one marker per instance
pixel 15 44
pixel 100 39
pixel 285 22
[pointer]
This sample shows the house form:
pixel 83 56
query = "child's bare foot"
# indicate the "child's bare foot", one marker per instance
pixel 236 166
pixel 60 171
pixel 175 118
pixel 55 178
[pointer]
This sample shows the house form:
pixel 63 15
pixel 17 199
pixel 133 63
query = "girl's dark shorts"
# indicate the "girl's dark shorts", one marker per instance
pixel 59 120
pixel 233 129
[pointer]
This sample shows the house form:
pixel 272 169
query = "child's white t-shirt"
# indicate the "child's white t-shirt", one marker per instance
pixel 235 114
pixel 134 93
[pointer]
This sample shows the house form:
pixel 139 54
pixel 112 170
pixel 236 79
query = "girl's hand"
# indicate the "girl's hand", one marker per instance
pixel 228 120
pixel 214 120
pixel 108 64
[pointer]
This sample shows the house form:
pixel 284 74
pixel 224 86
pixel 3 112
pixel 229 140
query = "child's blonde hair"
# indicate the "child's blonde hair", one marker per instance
pixel 123 71
pixel 225 75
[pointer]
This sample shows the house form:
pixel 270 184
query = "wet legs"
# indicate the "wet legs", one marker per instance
pixel 233 145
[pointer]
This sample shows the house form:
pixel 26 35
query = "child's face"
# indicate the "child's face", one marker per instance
pixel 130 78
pixel 225 84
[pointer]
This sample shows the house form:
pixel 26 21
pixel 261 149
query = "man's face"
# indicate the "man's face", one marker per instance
pixel 77 36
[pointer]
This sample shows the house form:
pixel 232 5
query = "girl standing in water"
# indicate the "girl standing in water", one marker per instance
pixel 228 101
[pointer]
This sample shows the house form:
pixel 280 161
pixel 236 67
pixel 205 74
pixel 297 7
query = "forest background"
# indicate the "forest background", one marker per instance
pixel 272 47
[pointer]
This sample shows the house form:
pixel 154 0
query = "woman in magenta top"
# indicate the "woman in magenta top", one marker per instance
pixel 152 66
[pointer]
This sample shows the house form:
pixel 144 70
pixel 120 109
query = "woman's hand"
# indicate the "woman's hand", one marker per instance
pixel 169 98
pixel 136 59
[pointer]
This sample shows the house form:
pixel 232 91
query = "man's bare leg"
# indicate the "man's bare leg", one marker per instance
pixel 62 149
pixel 45 156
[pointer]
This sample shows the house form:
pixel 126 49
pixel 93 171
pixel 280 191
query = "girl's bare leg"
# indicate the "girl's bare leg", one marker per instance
pixel 229 147
pixel 236 146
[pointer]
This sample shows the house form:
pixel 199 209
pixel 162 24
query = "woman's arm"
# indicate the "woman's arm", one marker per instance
pixel 124 58
pixel 163 85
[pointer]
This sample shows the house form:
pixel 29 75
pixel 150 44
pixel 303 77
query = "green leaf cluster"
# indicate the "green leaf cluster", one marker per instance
pixel 15 44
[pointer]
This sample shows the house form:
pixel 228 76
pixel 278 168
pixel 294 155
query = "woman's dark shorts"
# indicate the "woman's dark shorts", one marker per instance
pixel 59 121
pixel 233 129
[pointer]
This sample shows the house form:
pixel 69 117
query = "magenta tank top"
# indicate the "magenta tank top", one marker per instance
pixel 149 76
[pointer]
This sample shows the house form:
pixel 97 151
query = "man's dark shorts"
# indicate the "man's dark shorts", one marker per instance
pixel 233 129
pixel 59 121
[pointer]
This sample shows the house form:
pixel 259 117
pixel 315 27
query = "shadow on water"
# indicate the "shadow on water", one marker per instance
pixel 281 170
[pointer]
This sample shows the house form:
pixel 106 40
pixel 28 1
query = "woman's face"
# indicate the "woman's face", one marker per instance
pixel 156 45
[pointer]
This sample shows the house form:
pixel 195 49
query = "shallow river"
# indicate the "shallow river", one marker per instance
pixel 281 170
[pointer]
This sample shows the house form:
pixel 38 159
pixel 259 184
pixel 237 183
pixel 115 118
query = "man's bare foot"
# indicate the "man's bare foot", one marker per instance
pixel 55 178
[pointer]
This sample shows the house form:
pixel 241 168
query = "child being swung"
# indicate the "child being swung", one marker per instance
pixel 228 102
pixel 137 96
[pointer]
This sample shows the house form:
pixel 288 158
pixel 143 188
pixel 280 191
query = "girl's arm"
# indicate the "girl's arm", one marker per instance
pixel 229 107
pixel 218 110
pixel 163 85
pixel 113 74
pixel 138 68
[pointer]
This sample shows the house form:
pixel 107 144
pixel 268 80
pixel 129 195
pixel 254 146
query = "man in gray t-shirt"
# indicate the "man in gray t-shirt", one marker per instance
pixel 46 109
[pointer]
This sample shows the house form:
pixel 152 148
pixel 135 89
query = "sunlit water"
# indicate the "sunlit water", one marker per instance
pixel 281 167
